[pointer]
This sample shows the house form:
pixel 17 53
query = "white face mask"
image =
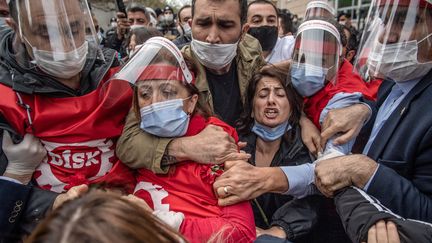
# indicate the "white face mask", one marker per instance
pixel 169 18
pixel 342 22
pixel 187 29
pixel 214 56
pixel 137 26
pixel 61 64
pixel 398 61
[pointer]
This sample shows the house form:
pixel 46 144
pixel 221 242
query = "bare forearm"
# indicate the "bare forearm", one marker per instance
pixel 176 151
pixel 276 181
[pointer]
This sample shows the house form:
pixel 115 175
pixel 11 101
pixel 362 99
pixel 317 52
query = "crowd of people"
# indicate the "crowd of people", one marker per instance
pixel 228 121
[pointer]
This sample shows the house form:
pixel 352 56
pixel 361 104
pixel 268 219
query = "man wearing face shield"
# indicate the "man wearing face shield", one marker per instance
pixel 320 73
pixel 396 166
pixel 51 74
pixel 263 21
pixel 225 58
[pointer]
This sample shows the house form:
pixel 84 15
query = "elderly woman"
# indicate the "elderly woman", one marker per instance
pixel 166 102
pixel 270 126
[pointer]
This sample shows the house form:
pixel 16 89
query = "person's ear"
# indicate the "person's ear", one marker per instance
pixel 245 29
pixel 350 55
pixel 190 22
pixel 192 103
pixel 190 25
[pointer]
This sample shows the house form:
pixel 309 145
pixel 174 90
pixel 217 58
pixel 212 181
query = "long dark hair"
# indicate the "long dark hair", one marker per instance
pixel 245 123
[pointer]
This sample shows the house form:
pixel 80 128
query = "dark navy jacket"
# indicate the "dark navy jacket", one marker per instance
pixel 403 148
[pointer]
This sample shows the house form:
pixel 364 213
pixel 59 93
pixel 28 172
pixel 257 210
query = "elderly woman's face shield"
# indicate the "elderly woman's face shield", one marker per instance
pixel 160 79
pixel 157 72
pixel 396 40
pixel 319 9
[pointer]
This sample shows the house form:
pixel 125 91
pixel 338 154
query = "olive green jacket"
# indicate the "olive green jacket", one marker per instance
pixel 138 149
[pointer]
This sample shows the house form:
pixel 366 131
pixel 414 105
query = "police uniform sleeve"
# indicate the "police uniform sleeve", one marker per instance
pixel 138 149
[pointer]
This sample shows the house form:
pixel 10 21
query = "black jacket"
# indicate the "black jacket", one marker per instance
pixel 310 219
pixel 182 40
pixel 113 42
pixel 360 211
pixel 292 152
pixel 16 72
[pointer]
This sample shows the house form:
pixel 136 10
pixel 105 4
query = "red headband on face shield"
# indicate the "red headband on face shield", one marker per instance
pixel 164 72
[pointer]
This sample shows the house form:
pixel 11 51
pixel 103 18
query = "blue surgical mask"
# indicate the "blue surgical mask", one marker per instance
pixel 2 22
pixel 165 119
pixel 269 134
pixel 307 79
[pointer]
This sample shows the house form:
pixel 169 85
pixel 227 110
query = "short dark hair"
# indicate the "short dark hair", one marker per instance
pixel 264 2
pixel 352 40
pixel 287 24
pixel 181 9
pixel 346 14
pixel 144 33
pixel 340 28
pixel 137 7
pixel 243 9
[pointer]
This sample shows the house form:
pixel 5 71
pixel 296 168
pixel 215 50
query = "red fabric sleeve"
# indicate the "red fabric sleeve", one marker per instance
pixel 231 226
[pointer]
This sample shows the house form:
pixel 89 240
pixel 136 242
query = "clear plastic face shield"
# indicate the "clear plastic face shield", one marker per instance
pixel 397 41
pixel 62 28
pixel 320 9
pixel 157 72
pixel 316 51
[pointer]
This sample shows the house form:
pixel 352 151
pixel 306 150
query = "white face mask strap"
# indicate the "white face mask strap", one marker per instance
pixel 177 54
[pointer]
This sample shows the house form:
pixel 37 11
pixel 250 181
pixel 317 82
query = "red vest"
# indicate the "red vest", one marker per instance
pixel 79 134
